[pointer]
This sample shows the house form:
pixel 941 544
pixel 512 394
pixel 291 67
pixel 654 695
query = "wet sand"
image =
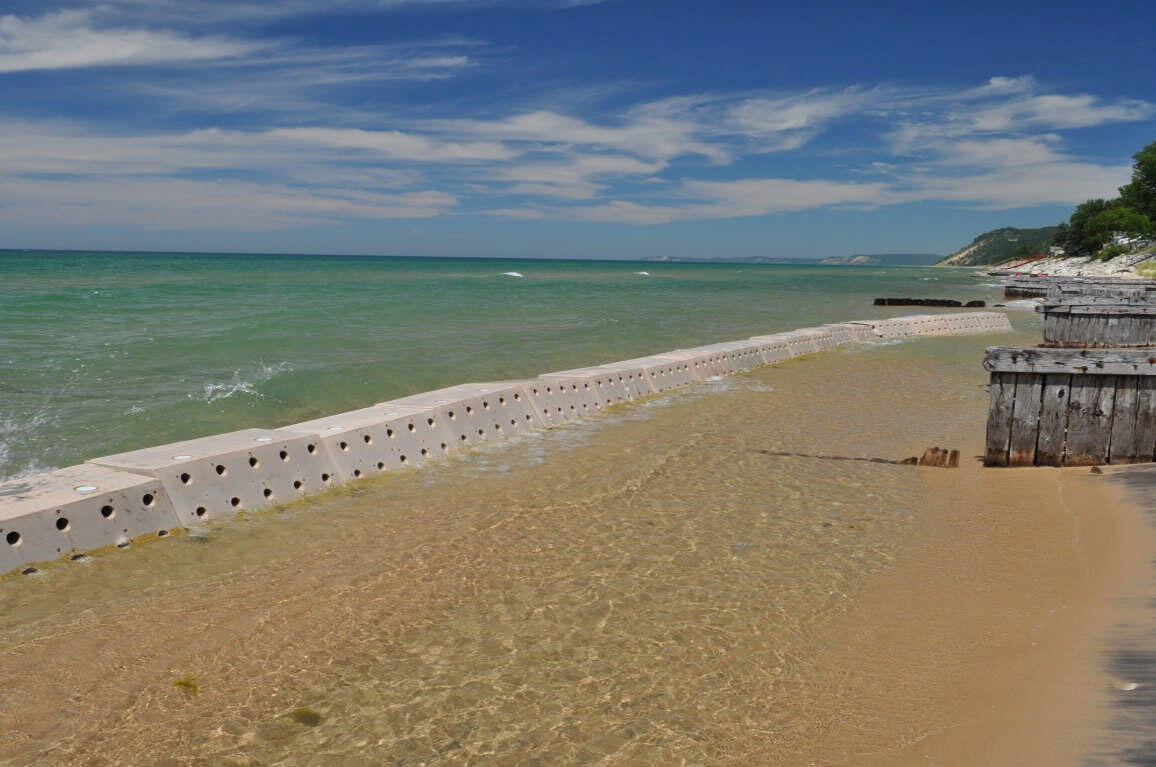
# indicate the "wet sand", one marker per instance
pixel 654 587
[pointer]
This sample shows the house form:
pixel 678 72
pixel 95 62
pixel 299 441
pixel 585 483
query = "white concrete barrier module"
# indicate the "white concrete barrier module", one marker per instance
pixel 113 499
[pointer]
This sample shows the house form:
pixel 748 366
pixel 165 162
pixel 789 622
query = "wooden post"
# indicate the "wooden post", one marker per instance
pixel 1071 407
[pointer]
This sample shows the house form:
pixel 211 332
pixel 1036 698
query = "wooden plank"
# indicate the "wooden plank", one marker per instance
pixel 1146 419
pixel 1126 440
pixel 1089 420
pixel 1134 310
pixel 1053 420
pixel 1025 422
pixel 1008 359
pixel 1139 298
pixel 1104 326
pixel 999 416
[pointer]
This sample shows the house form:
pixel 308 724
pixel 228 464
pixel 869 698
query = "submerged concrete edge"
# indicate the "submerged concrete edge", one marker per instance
pixel 153 492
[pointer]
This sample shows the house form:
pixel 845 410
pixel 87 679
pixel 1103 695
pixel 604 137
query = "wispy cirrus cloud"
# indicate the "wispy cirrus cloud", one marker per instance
pixel 68 40
pixel 694 157
pixel 204 13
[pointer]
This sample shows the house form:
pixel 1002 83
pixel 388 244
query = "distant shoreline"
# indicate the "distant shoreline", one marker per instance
pixel 881 259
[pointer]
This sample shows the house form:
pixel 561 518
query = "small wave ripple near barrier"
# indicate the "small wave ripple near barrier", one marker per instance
pixel 150 493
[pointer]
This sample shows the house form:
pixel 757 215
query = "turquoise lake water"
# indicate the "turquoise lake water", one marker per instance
pixel 102 352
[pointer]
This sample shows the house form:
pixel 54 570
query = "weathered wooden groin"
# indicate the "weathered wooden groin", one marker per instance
pixel 1086 396
pixel 1038 286
pixel 1100 321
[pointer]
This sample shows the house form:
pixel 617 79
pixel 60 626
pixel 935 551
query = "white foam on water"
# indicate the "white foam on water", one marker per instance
pixel 643 274
pixel 241 383
pixel 13 432
pixel 519 275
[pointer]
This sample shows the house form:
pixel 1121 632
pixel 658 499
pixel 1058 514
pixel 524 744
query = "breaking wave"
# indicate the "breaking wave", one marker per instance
pixel 241 383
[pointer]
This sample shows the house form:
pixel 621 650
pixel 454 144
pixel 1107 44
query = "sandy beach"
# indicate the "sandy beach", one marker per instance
pixel 660 586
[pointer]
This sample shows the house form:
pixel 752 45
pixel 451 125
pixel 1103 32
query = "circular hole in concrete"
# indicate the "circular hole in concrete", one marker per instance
pixel 485 405
pixel 106 512
pixel 389 433
pixel 344 447
pixel 13 538
pixel 517 397
pixel 284 454
pixel 267 493
pixel 357 472
pixel 235 502
pixel 445 446
pixel 368 439
pixel 469 410
pixel 186 478
pixel 464 438
pixel 501 400
pixel 481 432
pixel 221 470
pixel 311 448
pixel 62 524
pixel 430 422
pixel 424 452
pixel 451 415
pixel 147 499
pixel 403 459
pixel 162 533
pixel 324 477
pixel 411 427
pixel 201 511
pixel 253 462
pixel 297 484
pixel 381 466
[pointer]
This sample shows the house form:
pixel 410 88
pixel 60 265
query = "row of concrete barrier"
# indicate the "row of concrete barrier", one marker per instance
pixel 112 500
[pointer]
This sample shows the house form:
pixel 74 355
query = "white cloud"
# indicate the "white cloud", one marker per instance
pixel 1057 112
pixel 789 122
pixel 741 198
pixel 642 135
pixel 167 203
pixel 67 40
pixel 576 178
pixel 999 145
pixel 1051 183
pixel 396 144
pixel 519 213
pixel 216 12
pixel 1000 152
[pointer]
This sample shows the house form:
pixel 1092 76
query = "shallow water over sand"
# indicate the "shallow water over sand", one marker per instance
pixel 651 587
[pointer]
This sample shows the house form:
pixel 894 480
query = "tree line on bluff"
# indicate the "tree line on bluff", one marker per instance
pixel 1133 214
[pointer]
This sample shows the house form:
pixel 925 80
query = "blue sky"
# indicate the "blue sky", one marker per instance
pixel 564 128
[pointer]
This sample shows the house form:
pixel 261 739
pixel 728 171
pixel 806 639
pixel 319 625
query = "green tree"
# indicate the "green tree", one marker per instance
pixel 1102 226
pixel 1140 193
pixel 1085 235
